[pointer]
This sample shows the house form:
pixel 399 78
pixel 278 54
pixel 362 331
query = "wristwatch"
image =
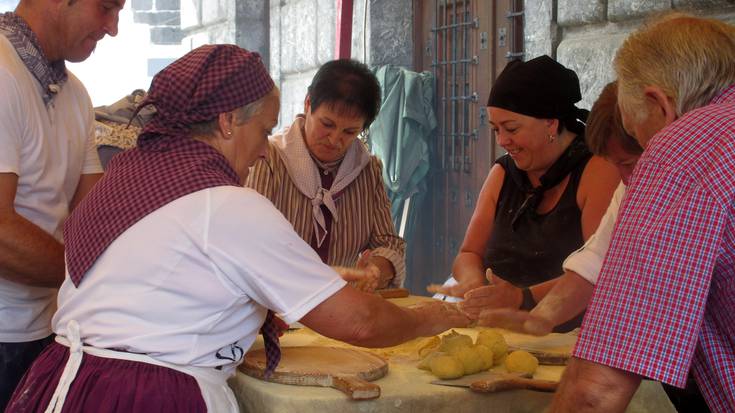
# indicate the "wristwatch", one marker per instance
pixel 528 302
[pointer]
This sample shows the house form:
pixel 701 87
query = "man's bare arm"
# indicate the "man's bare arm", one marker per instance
pixel 86 182
pixel 594 388
pixel 28 254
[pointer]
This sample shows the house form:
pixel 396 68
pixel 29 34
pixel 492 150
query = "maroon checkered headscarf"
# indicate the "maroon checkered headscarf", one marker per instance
pixel 168 164
pixel 210 80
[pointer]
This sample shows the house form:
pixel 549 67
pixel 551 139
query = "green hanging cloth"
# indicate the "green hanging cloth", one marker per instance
pixel 400 135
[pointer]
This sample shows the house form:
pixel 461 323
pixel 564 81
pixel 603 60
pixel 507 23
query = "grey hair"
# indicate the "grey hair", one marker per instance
pixel 690 58
pixel 242 115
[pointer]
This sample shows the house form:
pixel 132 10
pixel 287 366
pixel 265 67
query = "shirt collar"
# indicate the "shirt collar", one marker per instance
pixel 51 75
pixel 727 95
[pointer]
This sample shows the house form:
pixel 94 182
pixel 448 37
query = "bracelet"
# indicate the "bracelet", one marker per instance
pixel 528 302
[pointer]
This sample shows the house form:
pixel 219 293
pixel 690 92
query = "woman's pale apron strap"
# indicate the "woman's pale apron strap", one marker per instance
pixel 217 395
pixel 70 369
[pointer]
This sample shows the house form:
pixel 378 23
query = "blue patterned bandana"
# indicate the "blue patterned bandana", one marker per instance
pixel 50 75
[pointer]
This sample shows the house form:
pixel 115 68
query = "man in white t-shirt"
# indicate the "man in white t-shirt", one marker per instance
pixel 48 162
pixel 569 296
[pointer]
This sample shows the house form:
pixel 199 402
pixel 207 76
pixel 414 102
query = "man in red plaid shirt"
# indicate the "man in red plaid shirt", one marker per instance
pixel 665 300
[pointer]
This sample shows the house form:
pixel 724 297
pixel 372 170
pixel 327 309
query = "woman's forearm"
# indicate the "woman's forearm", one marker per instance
pixel 468 268
pixel 568 297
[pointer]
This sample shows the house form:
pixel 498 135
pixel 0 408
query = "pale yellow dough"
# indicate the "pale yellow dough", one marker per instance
pixel 486 355
pixel 446 367
pixel 428 345
pixel 425 363
pixel 495 341
pixel 471 360
pixel 452 342
pixel 522 362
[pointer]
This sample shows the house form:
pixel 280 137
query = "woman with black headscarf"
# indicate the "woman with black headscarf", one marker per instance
pixel 541 200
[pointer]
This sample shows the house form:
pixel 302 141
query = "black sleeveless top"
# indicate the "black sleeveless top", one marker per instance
pixel 530 248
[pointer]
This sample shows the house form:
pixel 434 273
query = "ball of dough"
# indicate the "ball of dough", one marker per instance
pixel 446 367
pixel 521 362
pixel 471 360
pixel 486 355
pixel 453 341
pixel 425 363
pixel 495 341
pixel 428 345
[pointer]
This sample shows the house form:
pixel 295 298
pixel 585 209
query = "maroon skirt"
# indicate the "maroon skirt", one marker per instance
pixel 106 385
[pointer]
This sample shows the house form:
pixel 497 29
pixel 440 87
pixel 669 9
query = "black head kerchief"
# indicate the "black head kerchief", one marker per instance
pixel 542 88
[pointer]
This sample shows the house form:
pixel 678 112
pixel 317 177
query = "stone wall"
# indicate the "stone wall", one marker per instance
pixel 163 17
pixel 303 33
pixel 584 35
pixel 294 37
pixel 240 22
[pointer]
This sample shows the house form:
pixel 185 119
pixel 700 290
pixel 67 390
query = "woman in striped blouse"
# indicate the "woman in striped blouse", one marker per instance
pixel 322 178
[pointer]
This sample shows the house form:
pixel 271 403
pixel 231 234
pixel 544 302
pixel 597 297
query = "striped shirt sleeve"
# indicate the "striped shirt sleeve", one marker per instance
pixel 363 213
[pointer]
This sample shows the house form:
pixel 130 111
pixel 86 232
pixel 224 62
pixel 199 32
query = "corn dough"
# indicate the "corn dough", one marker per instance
pixel 486 355
pixel 425 363
pixel 471 360
pixel 428 345
pixel 446 367
pixel 521 362
pixel 453 342
pixel 495 341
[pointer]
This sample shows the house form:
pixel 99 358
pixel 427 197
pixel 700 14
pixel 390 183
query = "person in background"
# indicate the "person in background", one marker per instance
pixel 159 305
pixel 325 182
pixel 539 202
pixel 664 303
pixel 116 128
pixel 570 295
pixel 48 162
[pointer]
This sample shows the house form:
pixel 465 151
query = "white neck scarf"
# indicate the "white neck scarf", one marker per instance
pixel 305 173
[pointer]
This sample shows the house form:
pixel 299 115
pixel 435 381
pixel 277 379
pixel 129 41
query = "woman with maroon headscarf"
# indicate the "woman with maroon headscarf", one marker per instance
pixel 168 282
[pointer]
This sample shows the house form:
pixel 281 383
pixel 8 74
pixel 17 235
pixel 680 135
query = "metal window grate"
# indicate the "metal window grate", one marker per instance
pixel 454 33
pixel 515 19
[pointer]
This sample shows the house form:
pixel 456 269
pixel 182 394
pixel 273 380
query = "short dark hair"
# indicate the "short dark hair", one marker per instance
pixel 347 85
pixel 605 123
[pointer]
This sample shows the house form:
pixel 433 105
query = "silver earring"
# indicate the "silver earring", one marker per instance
pixel 551 138
pixel 229 132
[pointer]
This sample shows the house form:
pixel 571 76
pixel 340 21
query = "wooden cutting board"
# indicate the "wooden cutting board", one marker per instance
pixel 347 370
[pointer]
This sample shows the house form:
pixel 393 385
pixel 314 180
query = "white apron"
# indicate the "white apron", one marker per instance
pixel 217 395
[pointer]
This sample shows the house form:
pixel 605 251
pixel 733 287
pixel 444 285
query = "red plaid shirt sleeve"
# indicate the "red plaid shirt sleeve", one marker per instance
pixel 665 300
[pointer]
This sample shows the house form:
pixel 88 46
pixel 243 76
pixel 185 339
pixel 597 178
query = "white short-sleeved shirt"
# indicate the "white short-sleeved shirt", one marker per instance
pixel 191 283
pixel 587 261
pixel 48 147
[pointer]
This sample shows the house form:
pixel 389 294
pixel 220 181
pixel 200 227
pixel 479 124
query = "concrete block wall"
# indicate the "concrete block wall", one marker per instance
pixel 294 37
pixel 584 35
pixel 208 21
pixel 163 17
pixel 301 39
